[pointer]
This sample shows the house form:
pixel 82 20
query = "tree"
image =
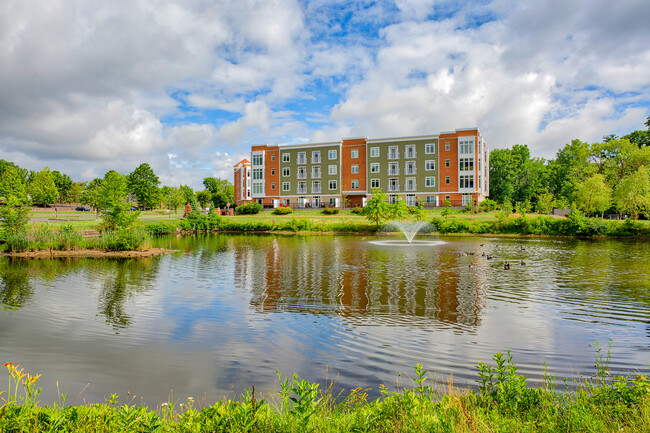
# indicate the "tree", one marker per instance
pixel 204 197
pixel 545 202
pixel 63 184
pixel 632 194
pixel 12 185
pixel 569 169
pixel 42 187
pixel 377 208
pixel 92 194
pixel 399 210
pixel 118 217
pixel 176 196
pixel 594 195
pixel 14 215
pixel 114 190
pixel 188 193
pixel 76 190
pixel 222 191
pixel 143 183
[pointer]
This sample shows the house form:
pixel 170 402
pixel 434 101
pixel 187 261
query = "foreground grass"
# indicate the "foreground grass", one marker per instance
pixel 502 403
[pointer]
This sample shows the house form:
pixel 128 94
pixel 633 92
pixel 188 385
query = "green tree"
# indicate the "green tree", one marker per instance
pixel 632 194
pixel 14 216
pixel 63 184
pixel 42 188
pixel 446 210
pixel 114 190
pixel 76 190
pixel 594 195
pixel 188 194
pixel 223 192
pixel 92 194
pixel 175 195
pixel 143 183
pixel 545 202
pixel 377 208
pixel 204 197
pixel 570 167
pixel 118 217
pixel 13 185
pixel 399 210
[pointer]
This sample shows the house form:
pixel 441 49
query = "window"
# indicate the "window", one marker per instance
pixel 354 153
pixel 355 168
pixel 302 187
pixel 257 159
pixel 447 180
pixel 374 152
pixel 273 185
pixel 447 197
pixel 466 181
pixel 374 167
pixel 273 172
pixel 466 146
pixel 410 167
pixel 273 157
pixel 302 157
pixel 392 199
pixel 258 173
pixel 466 164
pixel 315 157
pixel 431 199
pixel 374 183
pixel 331 169
pixel 286 157
pixel 393 153
pixel 302 172
pixel 315 187
pixel 447 163
pixel 393 169
pixel 410 151
pixel 447 145
pixel 430 164
pixel 332 154
pixel 332 184
pixel 315 172
pixel 286 171
pixel 332 201
pixel 258 188
pixel 430 148
pixel 285 186
pixel 355 184
pixel 430 181
pixel 410 199
pixel 393 184
pixel 410 184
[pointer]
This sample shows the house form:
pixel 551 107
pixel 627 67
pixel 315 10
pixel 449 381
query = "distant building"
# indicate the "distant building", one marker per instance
pixel 450 166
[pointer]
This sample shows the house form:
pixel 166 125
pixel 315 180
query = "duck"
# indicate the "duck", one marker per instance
pixel 506 265
pixel 522 263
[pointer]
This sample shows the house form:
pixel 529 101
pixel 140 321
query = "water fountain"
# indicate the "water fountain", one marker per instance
pixel 409 229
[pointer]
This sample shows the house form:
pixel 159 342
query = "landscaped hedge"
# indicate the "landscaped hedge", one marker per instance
pixel 285 210
pixel 251 208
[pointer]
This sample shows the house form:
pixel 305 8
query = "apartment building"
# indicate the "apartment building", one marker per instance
pixel 450 166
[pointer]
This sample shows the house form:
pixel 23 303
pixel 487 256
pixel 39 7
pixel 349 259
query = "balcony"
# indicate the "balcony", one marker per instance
pixel 301 175
pixel 393 188
pixel 393 171
pixel 315 160
pixel 315 175
pixel 302 190
pixel 315 190
pixel 410 170
pixel 302 160
pixel 410 155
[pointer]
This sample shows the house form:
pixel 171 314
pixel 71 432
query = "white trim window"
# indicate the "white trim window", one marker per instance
pixel 374 152
pixel 315 157
pixel 286 157
pixel 447 163
pixel 354 169
pixel 466 146
pixel 430 182
pixel 331 169
pixel 410 184
pixel 286 171
pixel 302 172
pixel 466 164
pixel 393 184
pixel 333 185
pixel 430 148
pixel 447 180
pixel 286 186
pixel 374 167
pixel 302 157
pixel 409 167
pixel 257 159
pixel 392 199
pixel 393 152
pixel 315 172
pixel 430 164
pixel 410 199
pixel 302 187
pixel 258 174
pixel 354 184
pixel 331 154
pixel 354 153
pixel 466 181
pixel 374 183
pixel 409 151
pixel 258 188
pixel 315 187
pixel 393 169
pixel 447 145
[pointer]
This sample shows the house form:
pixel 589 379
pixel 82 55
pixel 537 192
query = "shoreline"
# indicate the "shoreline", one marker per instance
pixel 86 253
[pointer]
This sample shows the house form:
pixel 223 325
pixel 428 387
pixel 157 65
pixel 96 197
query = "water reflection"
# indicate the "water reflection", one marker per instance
pixel 15 289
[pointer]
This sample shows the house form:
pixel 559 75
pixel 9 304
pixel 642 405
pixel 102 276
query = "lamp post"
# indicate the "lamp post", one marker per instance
pixel 170 206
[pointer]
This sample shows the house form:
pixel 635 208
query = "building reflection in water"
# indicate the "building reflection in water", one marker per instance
pixel 360 281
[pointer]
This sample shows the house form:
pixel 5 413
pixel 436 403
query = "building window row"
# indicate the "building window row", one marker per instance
pixel 257 159
pixel 466 164
pixel 466 181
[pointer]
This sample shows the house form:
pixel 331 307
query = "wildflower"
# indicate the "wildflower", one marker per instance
pixel 7 364
pixel 164 405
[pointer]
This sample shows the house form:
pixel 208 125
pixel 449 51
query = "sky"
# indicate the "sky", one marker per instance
pixel 188 86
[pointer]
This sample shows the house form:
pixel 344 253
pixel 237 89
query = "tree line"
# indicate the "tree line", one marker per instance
pixel 612 176
pixel 141 188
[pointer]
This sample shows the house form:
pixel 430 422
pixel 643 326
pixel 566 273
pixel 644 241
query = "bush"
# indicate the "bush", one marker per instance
pixel 358 210
pixel 160 228
pixel 249 209
pixel 331 211
pixel 487 205
pixel 282 211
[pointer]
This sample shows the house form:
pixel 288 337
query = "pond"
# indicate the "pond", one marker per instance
pixel 227 311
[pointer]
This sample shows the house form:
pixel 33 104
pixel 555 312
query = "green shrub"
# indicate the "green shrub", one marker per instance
pixel 331 211
pixel 160 228
pixel 251 208
pixel 358 210
pixel 122 240
pixel 282 211
pixel 487 205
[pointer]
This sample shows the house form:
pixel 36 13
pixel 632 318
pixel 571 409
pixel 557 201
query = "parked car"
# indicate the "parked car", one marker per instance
pixel 82 209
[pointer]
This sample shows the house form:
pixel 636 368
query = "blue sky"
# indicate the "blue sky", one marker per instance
pixel 188 86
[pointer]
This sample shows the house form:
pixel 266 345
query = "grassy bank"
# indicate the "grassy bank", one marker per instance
pixel 502 403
